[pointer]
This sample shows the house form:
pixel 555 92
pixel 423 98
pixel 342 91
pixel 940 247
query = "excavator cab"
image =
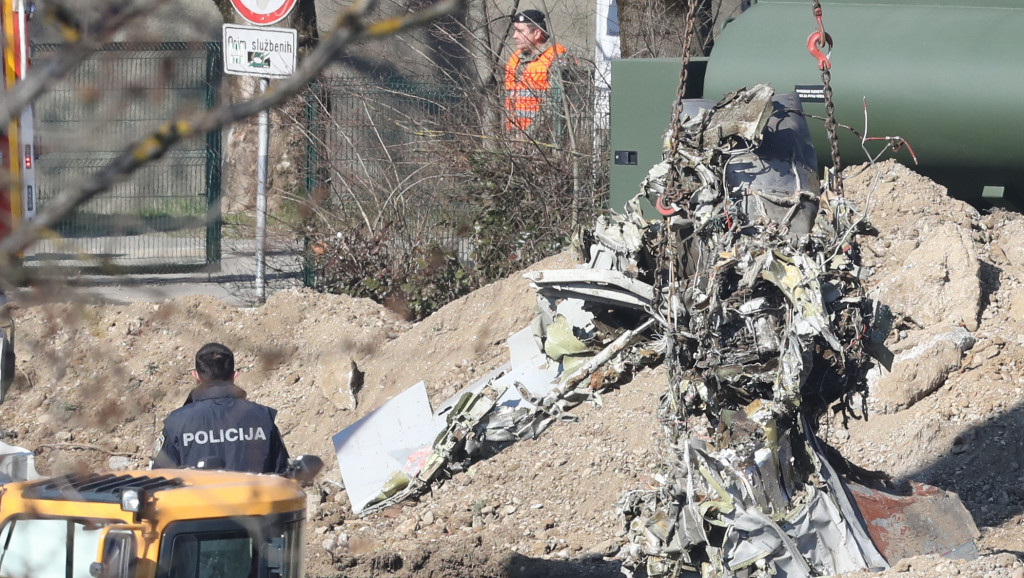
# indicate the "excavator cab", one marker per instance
pixel 153 524
pixel 245 547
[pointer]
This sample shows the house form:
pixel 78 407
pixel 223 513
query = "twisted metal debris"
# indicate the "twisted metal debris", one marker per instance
pixel 765 322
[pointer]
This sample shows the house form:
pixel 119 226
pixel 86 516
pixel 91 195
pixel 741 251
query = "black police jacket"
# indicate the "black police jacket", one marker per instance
pixel 219 423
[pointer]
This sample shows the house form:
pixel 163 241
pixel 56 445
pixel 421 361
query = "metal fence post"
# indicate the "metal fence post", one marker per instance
pixel 311 168
pixel 214 219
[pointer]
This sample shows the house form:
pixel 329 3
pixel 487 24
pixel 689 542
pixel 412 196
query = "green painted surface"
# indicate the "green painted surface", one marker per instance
pixel 827 4
pixel 943 76
pixel 643 92
pixel 641 108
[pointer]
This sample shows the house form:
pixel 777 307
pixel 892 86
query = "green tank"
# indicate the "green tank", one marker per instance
pixel 942 74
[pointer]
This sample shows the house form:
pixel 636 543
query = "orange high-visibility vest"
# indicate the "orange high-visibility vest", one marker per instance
pixel 526 92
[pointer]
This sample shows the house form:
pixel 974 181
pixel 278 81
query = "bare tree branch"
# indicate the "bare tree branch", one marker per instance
pixel 349 28
pixel 80 46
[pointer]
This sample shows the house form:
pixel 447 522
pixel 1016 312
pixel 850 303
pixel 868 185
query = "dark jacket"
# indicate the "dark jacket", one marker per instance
pixel 219 423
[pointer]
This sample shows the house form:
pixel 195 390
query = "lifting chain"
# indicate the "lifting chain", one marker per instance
pixel 672 192
pixel 818 40
pixel 666 272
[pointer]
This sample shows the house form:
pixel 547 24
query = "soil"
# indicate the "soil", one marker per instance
pixel 95 382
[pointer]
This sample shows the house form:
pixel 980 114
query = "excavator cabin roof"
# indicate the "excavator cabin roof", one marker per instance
pixel 159 495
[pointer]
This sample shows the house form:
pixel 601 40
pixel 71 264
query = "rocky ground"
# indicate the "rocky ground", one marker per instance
pixel 95 381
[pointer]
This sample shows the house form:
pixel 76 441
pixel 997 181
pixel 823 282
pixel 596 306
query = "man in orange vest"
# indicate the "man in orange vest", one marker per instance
pixel 532 72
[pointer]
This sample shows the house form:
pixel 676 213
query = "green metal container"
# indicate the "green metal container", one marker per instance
pixel 643 92
pixel 945 76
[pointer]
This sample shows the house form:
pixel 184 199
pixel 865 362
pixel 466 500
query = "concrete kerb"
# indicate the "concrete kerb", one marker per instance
pixel 234 283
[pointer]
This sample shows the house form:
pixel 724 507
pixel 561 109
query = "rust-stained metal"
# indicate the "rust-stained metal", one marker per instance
pixel 927 521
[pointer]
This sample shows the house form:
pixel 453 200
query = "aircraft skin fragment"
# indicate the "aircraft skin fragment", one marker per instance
pixel 928 521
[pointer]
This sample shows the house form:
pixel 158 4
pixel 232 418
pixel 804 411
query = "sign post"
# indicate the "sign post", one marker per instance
pixel 264 53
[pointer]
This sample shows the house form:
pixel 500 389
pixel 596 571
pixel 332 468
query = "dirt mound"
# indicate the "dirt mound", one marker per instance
pixel 95 382
pixel 96 375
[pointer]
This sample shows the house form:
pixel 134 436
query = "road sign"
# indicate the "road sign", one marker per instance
pixel 263 12
pixel 260 51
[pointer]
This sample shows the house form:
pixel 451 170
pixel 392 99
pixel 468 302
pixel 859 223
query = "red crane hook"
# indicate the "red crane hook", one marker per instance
pixel 815 42
pixel 818 40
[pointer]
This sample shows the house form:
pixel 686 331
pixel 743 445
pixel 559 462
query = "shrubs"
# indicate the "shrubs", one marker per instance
pixel 416 206
pixel 527 210
pixel 355 262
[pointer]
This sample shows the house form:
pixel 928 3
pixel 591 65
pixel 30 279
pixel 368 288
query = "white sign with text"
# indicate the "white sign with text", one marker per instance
pixel 260 51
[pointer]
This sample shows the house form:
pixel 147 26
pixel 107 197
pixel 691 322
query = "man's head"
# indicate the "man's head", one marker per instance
pixel 214 362
pixel 531 30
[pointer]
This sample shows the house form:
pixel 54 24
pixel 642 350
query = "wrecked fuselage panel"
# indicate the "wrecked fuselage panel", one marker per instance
pixel 766 327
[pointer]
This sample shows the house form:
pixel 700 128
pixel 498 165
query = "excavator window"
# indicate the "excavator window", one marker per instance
pixel 213 555
pixel 47 548
pixel 268 546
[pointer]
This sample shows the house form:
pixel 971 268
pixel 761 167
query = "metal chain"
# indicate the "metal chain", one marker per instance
pixel 666 272
pixel 673 177
pixel 677 106
pixel 830 128
pixel 821 38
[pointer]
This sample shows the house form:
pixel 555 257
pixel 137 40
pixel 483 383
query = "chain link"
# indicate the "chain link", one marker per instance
pixel 673 178
pixel 830 128
pixel 665 272
pixel 830 108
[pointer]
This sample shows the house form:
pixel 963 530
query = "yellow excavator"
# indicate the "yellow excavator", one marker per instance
pixel 156 524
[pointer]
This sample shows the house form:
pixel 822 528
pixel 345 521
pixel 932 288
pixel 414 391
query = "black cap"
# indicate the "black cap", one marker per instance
pixel 535 17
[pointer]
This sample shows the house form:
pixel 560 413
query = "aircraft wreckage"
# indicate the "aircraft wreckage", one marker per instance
pixel 749 290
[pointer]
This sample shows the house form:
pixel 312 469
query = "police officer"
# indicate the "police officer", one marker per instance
pixel 217 426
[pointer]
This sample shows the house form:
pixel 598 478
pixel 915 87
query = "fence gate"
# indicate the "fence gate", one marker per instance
pixel 166 216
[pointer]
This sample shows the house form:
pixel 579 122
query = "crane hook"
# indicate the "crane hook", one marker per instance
pixel 815 42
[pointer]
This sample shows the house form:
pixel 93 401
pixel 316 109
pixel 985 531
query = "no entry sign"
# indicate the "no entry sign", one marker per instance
pixel 263 11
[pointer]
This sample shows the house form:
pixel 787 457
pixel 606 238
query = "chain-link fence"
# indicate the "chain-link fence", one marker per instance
pixel 373 149
pixel 410 163
pixel 166 216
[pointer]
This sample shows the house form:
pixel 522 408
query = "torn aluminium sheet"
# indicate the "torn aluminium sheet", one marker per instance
pixel 400 448
pixel 374 452
pixel 591 323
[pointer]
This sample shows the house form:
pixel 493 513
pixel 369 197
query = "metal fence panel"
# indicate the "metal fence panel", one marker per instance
pixel 376 129
pixel 165 217
pixel 378 140
pixel 376 152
